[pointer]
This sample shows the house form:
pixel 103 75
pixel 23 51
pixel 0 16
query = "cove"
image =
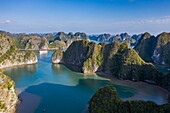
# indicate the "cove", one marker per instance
pixel 54 88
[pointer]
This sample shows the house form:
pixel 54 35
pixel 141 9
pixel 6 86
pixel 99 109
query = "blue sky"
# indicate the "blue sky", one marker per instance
pixel 90 16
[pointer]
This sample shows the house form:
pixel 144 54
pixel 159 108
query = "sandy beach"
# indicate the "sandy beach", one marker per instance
pixel 144 89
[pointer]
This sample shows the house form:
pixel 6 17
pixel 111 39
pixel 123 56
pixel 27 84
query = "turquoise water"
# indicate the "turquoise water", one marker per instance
pixel 61 90
pixel 164 69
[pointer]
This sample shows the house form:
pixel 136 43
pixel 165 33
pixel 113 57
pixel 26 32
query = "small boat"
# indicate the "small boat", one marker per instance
pixel 41 51
pixel 44 110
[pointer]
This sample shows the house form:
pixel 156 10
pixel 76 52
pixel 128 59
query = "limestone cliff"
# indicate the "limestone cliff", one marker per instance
pixel 122 38
pixel 61 36
pixel 11 56
pixel 57 56
pixel 155 49
pixel 33 43
pixel 8 96
pixel 60 45
pixel 114 58
pixel 36 41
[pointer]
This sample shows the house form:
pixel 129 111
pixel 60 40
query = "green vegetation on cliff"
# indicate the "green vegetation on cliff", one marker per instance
pixel 155 49
pixel 94 57
pixel 106 100
pixel 114 58
pixel 8 93
pixel 146 46
pixel 36 41
pixel 10 55
pixel 57 44
pixel 127 64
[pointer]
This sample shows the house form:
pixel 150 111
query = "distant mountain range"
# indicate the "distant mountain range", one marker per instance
pixel 151 48
pixel 122 38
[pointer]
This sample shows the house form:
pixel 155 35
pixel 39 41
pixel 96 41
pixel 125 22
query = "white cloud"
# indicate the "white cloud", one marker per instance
pixel 161 20
pixel 6 22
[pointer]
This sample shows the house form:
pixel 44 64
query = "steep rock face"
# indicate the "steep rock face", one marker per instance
pixel 136 37
pixel 80 36
pixel 104 37
pixel 161 53
pixel 106 100
pixel 124 36
pixel 108 52
pixel 61 45
pixel 145 47
pixel 8 96
pixel 33 43
pixel 63 40
pixel 83 53
pixel 57 56
pixel 114 58
pixel 70 35
pixel 61 36
pixel 11 56
pixel 5 44
pixel 155 49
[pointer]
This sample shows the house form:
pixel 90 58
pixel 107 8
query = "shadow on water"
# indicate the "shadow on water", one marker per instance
pixel 73 68
pixel 57 69
pixel 56 98
pixel 17 72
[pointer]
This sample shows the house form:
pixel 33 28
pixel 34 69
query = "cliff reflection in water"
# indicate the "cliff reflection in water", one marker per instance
pixel 56 68
pixel 17 73
pixel 69 77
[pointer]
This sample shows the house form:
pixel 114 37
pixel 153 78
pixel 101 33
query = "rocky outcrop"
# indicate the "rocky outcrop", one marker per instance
pixel 80 36
pixel 61 36
pixel 59 45
pixel 122 38
pixel 104 37
pixel 33 43
pixel 106 100
pixel 62 40
pixel 155 49
pixel 11 56
pixel 8 96
pixel 113 58
pixel 57 57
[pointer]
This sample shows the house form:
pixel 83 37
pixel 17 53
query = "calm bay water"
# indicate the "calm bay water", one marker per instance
pixel 54 88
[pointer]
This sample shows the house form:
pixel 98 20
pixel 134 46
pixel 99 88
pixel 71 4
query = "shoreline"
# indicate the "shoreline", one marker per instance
pixel 111 78
pixel 17 65
pixel 108 76
pixel 140 94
